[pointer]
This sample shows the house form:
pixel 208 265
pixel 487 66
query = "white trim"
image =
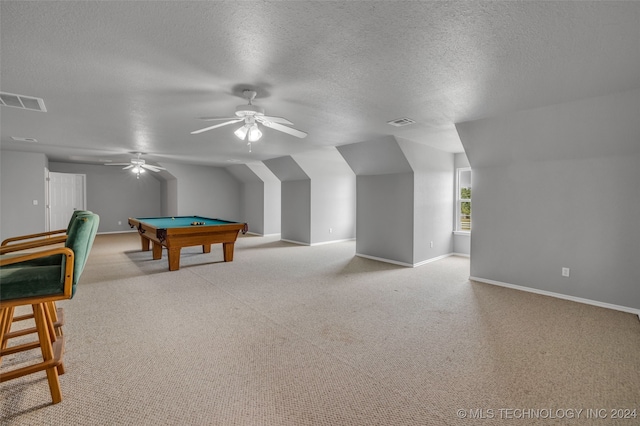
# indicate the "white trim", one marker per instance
pixel 129 231
pixel 294 242
pixel 410 265
pixel 458 201
pixel 559 296
pixel 461 255
pixel 464 233
pixel 262 235
pixel 381 259
pixel 332 241
pixel 433 259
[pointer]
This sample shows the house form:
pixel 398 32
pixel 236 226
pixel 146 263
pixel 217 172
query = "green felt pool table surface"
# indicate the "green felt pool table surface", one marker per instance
pixel 174 222
pixel 176 232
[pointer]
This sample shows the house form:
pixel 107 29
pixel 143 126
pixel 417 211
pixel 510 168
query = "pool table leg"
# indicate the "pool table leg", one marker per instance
pixel 206 248
pixel 174 258
pixel 145 243
pixel 157 251
pixel 228 251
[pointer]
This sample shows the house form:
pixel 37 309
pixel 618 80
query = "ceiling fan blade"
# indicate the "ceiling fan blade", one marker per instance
pixel 117 164
pixel 195 132
pixel 280 120
pixel 290 130
pixel 128 167
pixel 217 118
pixel 152 168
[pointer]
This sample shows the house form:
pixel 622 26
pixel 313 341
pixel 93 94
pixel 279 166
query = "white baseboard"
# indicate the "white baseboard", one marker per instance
pixel 461 255
pixel 316 244
pixel 410 265
pixel 294 242
pixel 128 231
pixel 332 241
pixel 262 235
pixel 559 296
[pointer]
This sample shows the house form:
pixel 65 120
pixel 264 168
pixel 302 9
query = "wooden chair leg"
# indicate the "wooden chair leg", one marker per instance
pixel 45 336
pixel 54 312
pixel 6 315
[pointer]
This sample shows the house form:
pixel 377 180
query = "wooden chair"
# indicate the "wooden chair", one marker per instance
pixel 38 279
pixel 34 241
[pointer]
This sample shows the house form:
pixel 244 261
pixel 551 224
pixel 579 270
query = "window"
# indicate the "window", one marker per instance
pixel 463 200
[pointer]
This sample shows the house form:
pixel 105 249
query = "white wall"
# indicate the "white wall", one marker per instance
pixel 557 187
pixel 22 180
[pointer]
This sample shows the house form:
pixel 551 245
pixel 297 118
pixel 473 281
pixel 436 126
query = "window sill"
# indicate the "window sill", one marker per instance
pixel 465 233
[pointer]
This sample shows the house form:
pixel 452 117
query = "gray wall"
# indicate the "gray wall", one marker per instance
pixel 22 180
pixel 116 194
pixel 461 243
pixel 333 195
pixel 385 215
pixel 433 200
pixel 253 206
pixel 559 187
pixel 404 199
pixel 296 211
pixel 272 207
pixel 333 208
pixel 260 203
pixel 295 188
pixel 206 191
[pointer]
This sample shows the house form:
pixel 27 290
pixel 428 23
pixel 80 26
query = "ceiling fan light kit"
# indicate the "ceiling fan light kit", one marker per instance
pixel 137 165
pixel 252 115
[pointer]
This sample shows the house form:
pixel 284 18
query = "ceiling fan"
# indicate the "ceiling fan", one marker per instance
pixel 137 166
pixel 251 115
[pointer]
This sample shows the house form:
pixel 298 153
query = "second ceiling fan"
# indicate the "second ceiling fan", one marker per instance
pixel 252 115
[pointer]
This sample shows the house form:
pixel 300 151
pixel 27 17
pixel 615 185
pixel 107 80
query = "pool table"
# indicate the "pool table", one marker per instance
pixel 186 231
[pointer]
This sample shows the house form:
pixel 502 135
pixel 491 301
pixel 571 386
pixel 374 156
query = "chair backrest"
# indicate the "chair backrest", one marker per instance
pixel 74 215
pixel 82 232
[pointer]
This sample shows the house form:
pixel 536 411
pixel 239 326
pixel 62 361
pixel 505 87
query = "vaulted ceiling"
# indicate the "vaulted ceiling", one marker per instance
pixel 134 76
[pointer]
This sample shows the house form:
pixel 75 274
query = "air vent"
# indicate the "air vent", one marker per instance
pixel 399 122
pixel 23 102
pixel 19 139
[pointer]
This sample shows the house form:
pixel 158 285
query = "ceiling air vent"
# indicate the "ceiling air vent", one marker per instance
pixel 21 139
pixel 20 101
pixel 399 122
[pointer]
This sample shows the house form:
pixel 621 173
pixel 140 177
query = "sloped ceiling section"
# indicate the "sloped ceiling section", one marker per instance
pixel 243 173
pixel 593 127
pixel 379 157
pixel 323 162
pixel 286 168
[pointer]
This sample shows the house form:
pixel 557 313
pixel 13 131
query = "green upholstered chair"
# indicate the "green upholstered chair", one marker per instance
pixel 37 279
pixel 33 241
pixel 28 241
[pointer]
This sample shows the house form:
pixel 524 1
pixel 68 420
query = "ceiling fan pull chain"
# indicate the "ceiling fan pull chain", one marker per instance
pixel 249 146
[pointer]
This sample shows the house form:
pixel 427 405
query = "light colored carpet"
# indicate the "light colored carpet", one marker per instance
pixel 297 335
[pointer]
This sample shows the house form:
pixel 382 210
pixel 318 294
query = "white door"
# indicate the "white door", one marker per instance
pixel 66 194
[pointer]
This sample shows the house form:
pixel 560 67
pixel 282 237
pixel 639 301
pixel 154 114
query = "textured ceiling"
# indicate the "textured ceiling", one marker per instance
pixel 120 77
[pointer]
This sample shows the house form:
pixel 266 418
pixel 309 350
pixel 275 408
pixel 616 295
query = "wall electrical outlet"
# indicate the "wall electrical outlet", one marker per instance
pixel 431 245
pixel 119 222
pixel 565 272
pixel 330 230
